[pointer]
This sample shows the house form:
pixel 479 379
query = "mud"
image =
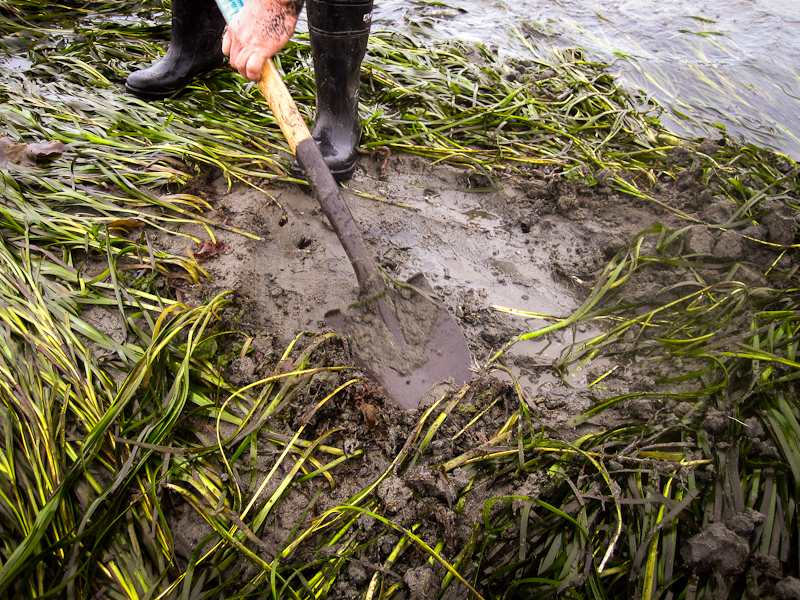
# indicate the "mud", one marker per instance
pixel 535 243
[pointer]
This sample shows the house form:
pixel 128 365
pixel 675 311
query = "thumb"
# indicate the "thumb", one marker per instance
pixel 226 43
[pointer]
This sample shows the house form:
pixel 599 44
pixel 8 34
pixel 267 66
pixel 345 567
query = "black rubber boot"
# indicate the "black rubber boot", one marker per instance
pixel 195 48
pixel 338 30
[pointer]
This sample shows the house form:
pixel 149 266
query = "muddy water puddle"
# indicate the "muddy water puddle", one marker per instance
pixel 16 63
pixel 538 356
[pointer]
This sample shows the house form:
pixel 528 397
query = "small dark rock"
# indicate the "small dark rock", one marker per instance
pixel 716 548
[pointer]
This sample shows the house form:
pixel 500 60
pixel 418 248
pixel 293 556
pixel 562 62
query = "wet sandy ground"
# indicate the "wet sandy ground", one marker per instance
pixel 531 245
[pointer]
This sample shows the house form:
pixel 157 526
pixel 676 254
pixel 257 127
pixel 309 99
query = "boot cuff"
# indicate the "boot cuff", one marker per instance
pixel 339 18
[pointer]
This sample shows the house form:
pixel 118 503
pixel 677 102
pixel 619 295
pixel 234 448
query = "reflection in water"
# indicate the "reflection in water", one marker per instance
pixel 732 65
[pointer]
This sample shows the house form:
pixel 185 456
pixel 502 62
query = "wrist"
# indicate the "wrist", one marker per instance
pixel 293 7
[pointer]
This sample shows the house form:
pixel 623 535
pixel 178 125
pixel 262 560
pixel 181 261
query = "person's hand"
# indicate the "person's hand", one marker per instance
pixel 258 32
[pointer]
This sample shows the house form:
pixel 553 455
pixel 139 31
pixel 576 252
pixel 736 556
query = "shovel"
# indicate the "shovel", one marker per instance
pixel 403 337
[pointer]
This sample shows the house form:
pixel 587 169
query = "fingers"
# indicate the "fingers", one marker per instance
pixel 247 61
pixel 253 65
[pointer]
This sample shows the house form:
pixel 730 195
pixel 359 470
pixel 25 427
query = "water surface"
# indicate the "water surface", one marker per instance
pixel 729 66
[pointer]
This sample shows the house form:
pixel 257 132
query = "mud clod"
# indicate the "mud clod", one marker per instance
pixel 729 246
pixel 357 574
pixel 716 548
pixel 422 583
pixel 715 422
pixel 788 589
pixel 242 371
pixel 394 494
pixel 744 523
pixel 569 207
pixel 425 482
pixel 753 429
pixel 782 228
pixel 753 233
pixel 641 408
pixel 719 212
pixel 699 240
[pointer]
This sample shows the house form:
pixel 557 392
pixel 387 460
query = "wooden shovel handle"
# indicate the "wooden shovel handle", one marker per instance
pixel 283 107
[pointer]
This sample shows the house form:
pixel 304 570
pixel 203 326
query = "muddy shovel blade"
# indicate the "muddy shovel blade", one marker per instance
pixel 408 353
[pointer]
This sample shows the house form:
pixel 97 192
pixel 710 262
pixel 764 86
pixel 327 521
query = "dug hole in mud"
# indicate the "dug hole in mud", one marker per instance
pixel 534 244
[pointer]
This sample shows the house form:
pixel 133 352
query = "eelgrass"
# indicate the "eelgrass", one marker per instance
pixel 87 462
pixel 632 495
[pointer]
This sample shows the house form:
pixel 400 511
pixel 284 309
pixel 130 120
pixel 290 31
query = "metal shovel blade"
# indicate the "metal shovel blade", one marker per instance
pixel 406 341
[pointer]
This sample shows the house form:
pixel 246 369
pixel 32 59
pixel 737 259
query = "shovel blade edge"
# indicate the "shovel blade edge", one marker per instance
pixel 446 352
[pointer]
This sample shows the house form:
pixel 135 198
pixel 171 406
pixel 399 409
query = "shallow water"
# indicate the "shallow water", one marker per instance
pixel 732 65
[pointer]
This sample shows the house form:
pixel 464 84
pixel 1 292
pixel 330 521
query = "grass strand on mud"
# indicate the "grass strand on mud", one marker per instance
pixel 100 431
